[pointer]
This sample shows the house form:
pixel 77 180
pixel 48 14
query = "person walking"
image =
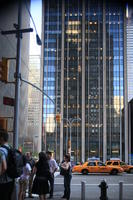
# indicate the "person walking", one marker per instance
pixel 31 161
pixel 42 171
pixel 53 168
pixel 6 183
pixel 23 181
pixel 66 166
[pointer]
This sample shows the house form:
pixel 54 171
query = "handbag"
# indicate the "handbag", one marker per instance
pixel 64 172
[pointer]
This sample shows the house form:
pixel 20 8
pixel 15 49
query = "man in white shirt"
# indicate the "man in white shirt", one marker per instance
pixel 53 167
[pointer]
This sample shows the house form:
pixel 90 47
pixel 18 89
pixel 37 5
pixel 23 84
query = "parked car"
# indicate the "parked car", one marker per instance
pixel 127 168
pixel 97 167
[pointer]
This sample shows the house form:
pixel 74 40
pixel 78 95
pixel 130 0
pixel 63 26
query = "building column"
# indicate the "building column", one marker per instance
pixel 130 130
pixel 125 91
pixel 104 87
pixel 83 81
pixel 42 78
pixel 62 81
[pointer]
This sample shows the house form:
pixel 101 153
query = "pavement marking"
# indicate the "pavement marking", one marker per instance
pixel 94 184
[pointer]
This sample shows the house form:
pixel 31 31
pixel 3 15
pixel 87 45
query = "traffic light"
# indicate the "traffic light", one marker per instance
pixel 3 123
pixel 58 118
pixel 69 143
pixel 4 70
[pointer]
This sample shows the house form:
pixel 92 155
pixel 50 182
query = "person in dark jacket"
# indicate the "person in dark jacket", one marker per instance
pixel 42 171
pixel 6 183
pixel 66 165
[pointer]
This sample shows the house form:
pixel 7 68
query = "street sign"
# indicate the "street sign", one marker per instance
pixel 8 101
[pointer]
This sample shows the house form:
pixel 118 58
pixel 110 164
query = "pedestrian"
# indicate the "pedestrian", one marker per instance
pixel 53 168
pixel 1 163
pixel 3 166
pixel 42 171
pixel 6 183
pixel 31 161
pixel 67 173
pixel 23 181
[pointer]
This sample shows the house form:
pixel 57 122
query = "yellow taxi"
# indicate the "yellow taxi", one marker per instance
pixel 127 168
pixel 97 167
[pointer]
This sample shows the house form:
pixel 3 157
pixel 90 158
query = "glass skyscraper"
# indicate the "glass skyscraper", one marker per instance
pixel 85 74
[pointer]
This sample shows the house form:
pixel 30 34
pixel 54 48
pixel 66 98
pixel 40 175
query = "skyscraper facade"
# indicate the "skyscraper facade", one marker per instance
pixel 130 50
pixel 130 75
pixel 34 104
pixel 85 75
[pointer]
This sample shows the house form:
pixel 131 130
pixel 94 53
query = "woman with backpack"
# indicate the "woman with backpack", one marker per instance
pixel 66 166
pixel 31 161
pixel 42 171
pixel 23 181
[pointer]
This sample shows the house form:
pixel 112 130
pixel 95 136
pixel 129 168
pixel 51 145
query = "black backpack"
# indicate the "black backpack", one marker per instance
pixel 15 162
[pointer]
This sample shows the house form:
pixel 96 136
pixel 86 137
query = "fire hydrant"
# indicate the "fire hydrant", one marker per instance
pixel 103 186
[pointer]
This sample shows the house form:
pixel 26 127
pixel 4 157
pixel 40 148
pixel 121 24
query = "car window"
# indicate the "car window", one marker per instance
pixel 91 164
pixel 122 163
pixel 109 163
pixel 100 164
pixel 115 163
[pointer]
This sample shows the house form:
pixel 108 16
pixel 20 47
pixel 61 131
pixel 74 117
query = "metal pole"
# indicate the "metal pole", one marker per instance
pixel 17 84
pixel 82 190
pixel 70 124
pixel 120 190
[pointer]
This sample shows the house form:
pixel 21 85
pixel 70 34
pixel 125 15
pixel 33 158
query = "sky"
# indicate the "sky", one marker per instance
pixel 36 12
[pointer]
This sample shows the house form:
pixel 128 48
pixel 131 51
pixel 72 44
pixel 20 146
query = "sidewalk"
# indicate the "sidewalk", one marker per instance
pixel 55 197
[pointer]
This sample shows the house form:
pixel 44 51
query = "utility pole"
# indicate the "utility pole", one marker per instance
pixel 17 81
pixel 17 75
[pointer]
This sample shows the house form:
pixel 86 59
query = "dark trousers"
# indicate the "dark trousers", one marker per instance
pixel 67 184
pixel 51 181
pixel 6 190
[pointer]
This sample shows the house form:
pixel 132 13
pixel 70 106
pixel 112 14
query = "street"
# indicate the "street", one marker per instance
pixel 92 190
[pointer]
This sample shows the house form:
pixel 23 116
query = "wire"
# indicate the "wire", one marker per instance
pixel 31 17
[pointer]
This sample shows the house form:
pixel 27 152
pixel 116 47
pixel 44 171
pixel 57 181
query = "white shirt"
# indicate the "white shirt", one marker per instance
pixel 26 171
pixel 53 165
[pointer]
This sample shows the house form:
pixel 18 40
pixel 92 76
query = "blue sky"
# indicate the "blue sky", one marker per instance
pixel 36 12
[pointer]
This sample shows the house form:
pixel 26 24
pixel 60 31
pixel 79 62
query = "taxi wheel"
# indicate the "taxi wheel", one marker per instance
pixel 114 172
pixel 84 171
pixel 131 171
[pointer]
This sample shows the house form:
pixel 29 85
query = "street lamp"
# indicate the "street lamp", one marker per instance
pixel 70 122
